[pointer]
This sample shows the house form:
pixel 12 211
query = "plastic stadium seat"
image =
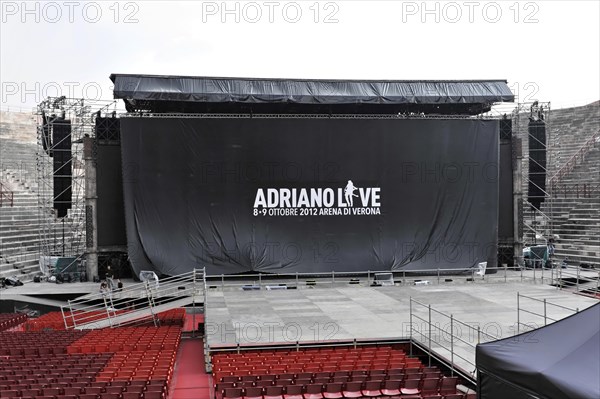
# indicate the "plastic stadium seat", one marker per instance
pixel 448 385
pixel 429 386
pixel 313 391
pixel 333 390
pixel 232 393
pixel 253 393
pixel 372 388
pixel 293 392
pixel 411 387
pixel 352 389
pixel 274 392
pixel 391 388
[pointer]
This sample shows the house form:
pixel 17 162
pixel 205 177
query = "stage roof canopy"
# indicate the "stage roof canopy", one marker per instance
pixel 154 93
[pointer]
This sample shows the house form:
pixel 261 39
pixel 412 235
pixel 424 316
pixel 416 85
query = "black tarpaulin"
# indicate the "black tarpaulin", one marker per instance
pixel 288 195
pixel 559 361
pixel 152 90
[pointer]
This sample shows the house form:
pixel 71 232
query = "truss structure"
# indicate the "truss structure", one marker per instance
pixel 64 236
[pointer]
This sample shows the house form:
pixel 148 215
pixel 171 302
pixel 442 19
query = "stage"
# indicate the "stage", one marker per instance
pixel 347 312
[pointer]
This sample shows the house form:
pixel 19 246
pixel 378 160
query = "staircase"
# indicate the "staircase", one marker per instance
pixel 572 210
pixel 135 303
pixel 23 223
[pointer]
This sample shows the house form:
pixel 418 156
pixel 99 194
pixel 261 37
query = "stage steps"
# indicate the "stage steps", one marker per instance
pixel 135 303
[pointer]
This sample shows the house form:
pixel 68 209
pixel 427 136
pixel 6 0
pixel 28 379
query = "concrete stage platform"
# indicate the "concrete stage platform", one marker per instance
pixel 347 312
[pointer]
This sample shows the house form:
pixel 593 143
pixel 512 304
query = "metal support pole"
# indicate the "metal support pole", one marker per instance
pixel 368 277
pixel 429 349
pixel 222 281
pixel 296 279
pixel 478 335
pixel 107 312
pixel 518 316
pixel 578 270
pixel 194 304
pixel 410 324
pixel 332 277
pixel 545 315
pixel 452 345
pixel 438 275
pixel 505 271
pixel 64 318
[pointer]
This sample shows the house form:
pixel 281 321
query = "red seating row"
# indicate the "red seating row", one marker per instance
pixel 128 339
pixel 445 387
pixel 10 320
pixel 55 320
pixel 35 343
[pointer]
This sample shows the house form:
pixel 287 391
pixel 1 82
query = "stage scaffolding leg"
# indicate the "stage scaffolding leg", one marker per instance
pixel 91 227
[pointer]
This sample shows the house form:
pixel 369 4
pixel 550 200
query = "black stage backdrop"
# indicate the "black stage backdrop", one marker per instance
pixel 273 194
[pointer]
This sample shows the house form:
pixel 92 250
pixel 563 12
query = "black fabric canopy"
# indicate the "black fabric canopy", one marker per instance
pixel 178 93
pixel 561 360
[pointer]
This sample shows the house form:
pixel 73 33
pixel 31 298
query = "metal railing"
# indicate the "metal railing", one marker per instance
pixel 579 156
pixel 576 190
pixel 546 304
pixel 135 303
pixel 585 279
pixel 402 277
pixel 6 196
pixel 448 335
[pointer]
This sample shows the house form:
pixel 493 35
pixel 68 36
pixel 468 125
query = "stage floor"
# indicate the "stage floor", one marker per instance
pixel 362 313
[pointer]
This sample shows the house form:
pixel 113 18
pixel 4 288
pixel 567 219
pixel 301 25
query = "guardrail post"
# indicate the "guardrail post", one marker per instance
pixel 64 318
pixel 545 316
pixel 543 272
pixel 452 345
pixel 438 275
pixel 354 343
pixel 522 273
pixel 410 312
pixel 297 346
pixel 429 349
pixel 222 281
pixel 505 271
pixel 518 315
pixel 578 269
pixel 368 277
pixel 404 276
pixel 297 279
pixel 478 335
pixel 194 304
pixel 260 279
pixel 332 277
pixel 534 264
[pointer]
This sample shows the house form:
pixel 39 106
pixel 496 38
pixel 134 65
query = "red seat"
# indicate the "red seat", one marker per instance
pixel 253 393
pixel 293 392
pixel 391 388
pixel 372 388
pixel 333 390
pixel 430 386
pixel 411 387
pixel 313 391
pixel 232 393
pixel 274 392
pixel 352 389
pixel 448 385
